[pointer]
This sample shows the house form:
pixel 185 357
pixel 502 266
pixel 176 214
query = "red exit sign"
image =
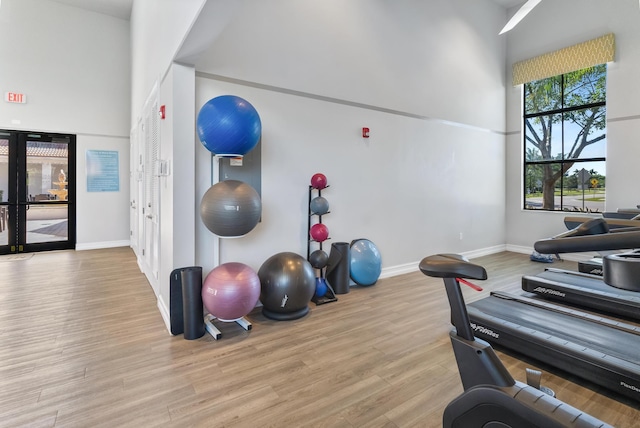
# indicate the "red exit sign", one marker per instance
pixel 15 97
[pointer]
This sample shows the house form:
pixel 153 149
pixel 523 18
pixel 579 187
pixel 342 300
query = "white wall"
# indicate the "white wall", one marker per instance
pixel 441 58
pixel 177 190
pixel 158 28
pixel 566 23
pixel 102 218
pixel 73 66
pixel 434 166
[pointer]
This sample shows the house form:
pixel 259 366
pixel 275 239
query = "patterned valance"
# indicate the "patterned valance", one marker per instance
pixel 576 57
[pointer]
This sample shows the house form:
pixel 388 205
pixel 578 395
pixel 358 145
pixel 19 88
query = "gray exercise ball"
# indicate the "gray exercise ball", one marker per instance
pixel 319 259
pixel 287 284
pixel 319 205
pixel 230 208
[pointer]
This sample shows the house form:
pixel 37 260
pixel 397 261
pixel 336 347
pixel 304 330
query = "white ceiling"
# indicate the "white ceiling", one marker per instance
pixel 122 8
pixel 118 8
pixel 509 3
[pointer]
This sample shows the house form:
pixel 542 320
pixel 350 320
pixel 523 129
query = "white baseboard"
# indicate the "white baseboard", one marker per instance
pixel 101 245
pixel 485 251
pixel 165 313
pixel 519 249
pixel 392 271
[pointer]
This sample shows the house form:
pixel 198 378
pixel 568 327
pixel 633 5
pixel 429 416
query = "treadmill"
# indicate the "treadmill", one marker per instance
pixel 589 291
pixel 597 349
pixel 623 213
pixel 613 223
pixel 617 292
pixel 601 350
pixel 624 218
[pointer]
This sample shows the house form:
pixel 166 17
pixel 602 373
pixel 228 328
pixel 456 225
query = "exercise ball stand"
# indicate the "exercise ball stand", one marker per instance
pixel 288 316
pixel 217 334
pixel 330 295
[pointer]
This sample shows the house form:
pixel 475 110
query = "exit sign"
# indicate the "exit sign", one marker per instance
pixel 15 97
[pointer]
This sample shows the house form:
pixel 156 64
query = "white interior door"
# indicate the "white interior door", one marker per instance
pixel 150 179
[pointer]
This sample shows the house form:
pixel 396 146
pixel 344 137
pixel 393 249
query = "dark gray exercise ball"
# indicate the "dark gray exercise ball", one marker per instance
pixel 287 283
pixel 319 259
pixel 319 205
pixel 230 208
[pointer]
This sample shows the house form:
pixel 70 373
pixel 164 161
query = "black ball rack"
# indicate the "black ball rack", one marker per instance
pixel 330 295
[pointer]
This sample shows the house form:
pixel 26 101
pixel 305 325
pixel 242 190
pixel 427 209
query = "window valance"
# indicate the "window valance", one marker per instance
pixel 576 57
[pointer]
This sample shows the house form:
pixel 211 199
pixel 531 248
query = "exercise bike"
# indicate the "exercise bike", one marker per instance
pixel 491 397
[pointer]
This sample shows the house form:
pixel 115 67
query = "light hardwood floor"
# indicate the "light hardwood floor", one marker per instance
pixel 83 345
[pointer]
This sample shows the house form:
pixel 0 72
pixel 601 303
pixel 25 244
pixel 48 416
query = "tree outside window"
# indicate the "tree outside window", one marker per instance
pixel 565 141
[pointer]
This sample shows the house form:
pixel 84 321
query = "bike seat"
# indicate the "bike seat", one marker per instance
pixel 451 266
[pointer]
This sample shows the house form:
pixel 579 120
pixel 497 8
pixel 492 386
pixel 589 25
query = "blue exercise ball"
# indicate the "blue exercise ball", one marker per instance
pixel 229 126
pixel 321 287
pixel 365 263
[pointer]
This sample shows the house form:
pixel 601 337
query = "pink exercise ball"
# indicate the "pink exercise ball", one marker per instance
pixel 231 291
pixel 319 181
pixel 319 232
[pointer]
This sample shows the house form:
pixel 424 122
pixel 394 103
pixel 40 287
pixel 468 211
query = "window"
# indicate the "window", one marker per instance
pixel 565 141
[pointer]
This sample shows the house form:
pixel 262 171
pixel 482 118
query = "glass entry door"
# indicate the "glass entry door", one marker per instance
pixel 37 191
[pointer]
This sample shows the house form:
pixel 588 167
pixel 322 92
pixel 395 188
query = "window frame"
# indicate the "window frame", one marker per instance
pixel 560 162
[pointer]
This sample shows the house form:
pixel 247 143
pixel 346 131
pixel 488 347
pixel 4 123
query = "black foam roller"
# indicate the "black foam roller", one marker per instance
pixel 175 302
pixel 192 310
pixel 338 267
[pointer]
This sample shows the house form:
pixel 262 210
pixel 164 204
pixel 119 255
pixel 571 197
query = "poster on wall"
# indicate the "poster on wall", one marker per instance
pixel 102 171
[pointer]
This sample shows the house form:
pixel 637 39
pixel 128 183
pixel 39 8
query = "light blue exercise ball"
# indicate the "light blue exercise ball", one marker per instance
pixel 365 263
